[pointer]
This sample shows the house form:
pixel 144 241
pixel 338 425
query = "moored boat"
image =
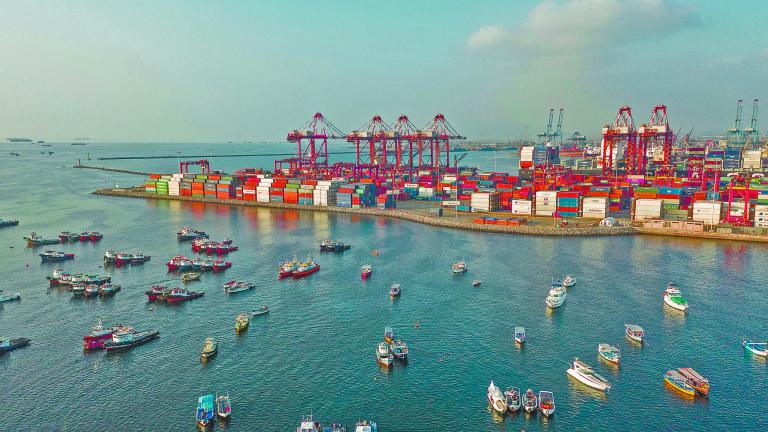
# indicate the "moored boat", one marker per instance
pixel 178 295
pixel 66 237
pixel 546 403
pixel 223 406
pixel 331 246
pixel 399 349
pixel 33 239
pixel 78 290
pixel 384 356
pixel 512 397
pixel 496 398
pixel 674 299
pixel 695 380
pixel 205 411
pixel 210 348
pixel 634 332
pixel 305 269
pixel 100 334
pixel 459 267
pixel 677 382
pixel 241 322
pixel 587 376
pixel 95 236
pixel 389 335
pixel 84 236
pixel 308 424
pixel 520 335
pixel 55 256
pixel 233 286
pixel 260 311
pixel 530 402
pixel 569 281
pixel 108 289
pixel 287 268
pixel 126 339
pixel 394 290
pixel 190 276
pixel 366 426
pixel 9 297
pixel 8 223
pixel 366 271
pixel 188 233
pixel 609 353
pixel 157 293
pixel 756 348
pixel 556 296
pixel 7 344
pixel 220 265
pixel 91 290
pixel 180 263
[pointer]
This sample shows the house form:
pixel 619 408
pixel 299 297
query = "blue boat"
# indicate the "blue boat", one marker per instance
pixel 205 411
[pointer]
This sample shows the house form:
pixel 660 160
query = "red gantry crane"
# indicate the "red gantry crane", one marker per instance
pixel 438 134
pixel 312 146
pixel 656 133
pixel 622 131
pixel 737 191
pixel 376 134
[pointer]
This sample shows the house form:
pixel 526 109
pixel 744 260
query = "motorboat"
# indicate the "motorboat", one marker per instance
pixel 100 334
pixel 234 286
pixel 512 397
pixel 384 356
pixel 7 344
pixel 399 350
pixel 335 427
pixel 546 403
pixel 220 265
pixel 634 332
pixel 55 256
pixel 609 353
pixel 78 289
pixel 459 267
pixel 95 236
pixel 496 398
pixel 756 348
pixel 127 338
pixel 180 263
pixel 308 424
pixel 679 383
pixel 696 380
pixel 569 281
pixel 210 348
pixel 394 290
pixel 108 289
pixel 556 296
pixel 331 246
pixel 476 283
pixel 260 311
pixel 241 322
pixel 9 297
pixel 366 271
pixel 389 335
pixel 157 293
pixel 205 411
pixel 188 233
pixel 223 406
pixel 520 335
pixel 190 276
pixel 587 376
pixel 8 223
pixel 674 299
pixel 178 295
pixel 530 401
pixel 91 290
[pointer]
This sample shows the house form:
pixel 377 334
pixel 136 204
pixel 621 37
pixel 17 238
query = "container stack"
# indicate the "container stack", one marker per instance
pixel 646 208
pixel 707 212
pixel 752 160
pixel 526 157
pixel 568 203
pixel 485 201
pixel 595 207
pixel 546 203
pixel 732 160
pixel 761 216
pixel 523 207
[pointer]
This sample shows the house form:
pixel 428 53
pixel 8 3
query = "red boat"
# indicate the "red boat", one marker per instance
pixel 99 335
pixel 95 236
pixel 287 268
pixel 306 269
pixel 179 263
pixel 85 236
pixel 366 271
pixel 157 293
pixel 219 249
pixel 178 295
pixel 221 265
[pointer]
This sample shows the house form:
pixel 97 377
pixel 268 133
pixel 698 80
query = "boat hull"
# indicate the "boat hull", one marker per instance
pixel 679 307
pixel 136 342
pixel 498 405
pixel 299 275
pixel 680 390
pixel 587 382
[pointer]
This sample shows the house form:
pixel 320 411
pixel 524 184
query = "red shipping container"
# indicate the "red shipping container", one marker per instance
pixel 568 209
pixel 249 197
pixel 568 194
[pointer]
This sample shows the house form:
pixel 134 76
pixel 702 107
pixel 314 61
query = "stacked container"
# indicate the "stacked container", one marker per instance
pixel 485 201
pixel 568 203
pixel 524 207
pixel 595 207
pixel 707 211
pixel 752 159
pixel 761 216
pixel 648 209
pixel 546 203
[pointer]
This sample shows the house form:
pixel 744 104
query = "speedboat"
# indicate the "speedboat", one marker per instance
pixel 530 402
pixel 756 348
pixel 546 403
pixel 520 335
pixel 384 355
pixel 609 353
pixel 234 286
pixel 496 398
pixel 366 271
pixel 127 338
pixel 210 348
pixel 674 299
pixel 634 332
pixel 9 297
pixel 512 397
pixel 305 269
pixel 366 426
pixel 260 311
pixel 459 267
pixel 54 256
pixel 394 290
pixel 204 414
pixel 556 296
pixel 223 406
pixel 287 268
pixel 695 380
pixel 241 322
pixel 677 382
pixel 7 345
pixel 569 281
pixel 587 376
pixel 308 424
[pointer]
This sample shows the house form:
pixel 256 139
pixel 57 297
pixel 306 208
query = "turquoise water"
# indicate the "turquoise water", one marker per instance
pixel 315 350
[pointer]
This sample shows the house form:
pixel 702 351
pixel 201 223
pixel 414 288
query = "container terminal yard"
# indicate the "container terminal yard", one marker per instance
pixel 640 178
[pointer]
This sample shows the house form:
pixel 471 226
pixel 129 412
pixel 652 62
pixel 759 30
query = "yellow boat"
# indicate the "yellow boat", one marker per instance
pixel 677 382
pixel 241 322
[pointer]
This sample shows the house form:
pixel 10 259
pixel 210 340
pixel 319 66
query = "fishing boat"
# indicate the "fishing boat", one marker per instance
pixel 233 286
pixel 394 290
pixel 223 406
pixel 366 426
pixel 206 265
pixel 695 380
pixel 241 322
pixel 677 382
pixel 8 223
pixel 178 295
pixel 569 281
pixel 108 289
pixel 55 256
pixel 7 345
pixel 546 403
pixel 190 276
pixel 67 237
pixel 210 348
pixel 139 258
pixel 496 398
pixel 9 297
pixel 204 415
pixel 556 296
pixel 634 332
pixel 756 348
pixel 260 311
pixel 100 334
pixel 384 355
pixel 331 246
pixel 219 248
pixel 126 339
pixel 399 350
pixel 335 427
pixel 220 265
pixel 188 233
pixel 674 299
pixel 609 353
pixel 530 402
pixel 389 335
pixel 35 240
pixel 287 268
pixel 587 376
pixel 84 236
pixel 366 271
pixel 476 283
pixel 91 290
pixel 459 267
pixel 305 269
pixel 78 290
pixel 157 293
pixel 95 236
pixel 520 335
pixel 180 263
pixel 512 397
pixel 308 424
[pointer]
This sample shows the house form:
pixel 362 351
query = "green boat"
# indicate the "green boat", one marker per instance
pixel 674 299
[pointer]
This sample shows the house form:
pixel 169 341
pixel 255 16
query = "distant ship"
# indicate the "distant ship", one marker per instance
pixel 19 140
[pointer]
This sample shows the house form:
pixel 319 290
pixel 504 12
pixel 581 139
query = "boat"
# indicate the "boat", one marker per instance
pixel 223 406
pixel 188 233
pixel 587 376
pixel 695 380
pixel 220 265
pixel 234 286
pixel 335 427
pixel 204 414
pixel 140 258
pixel 634 332
pixel 218 248
pixel 512 397
pixel 189 277
pixel 95 236
pixel 674 299
pixel 206 265
pixel 546 403
pixel 366 426
pixel 91 290
pixel 54 256
pixel 394 290
pixel 530 402
pixel 84 236
pixel 305 269
pixel 520 335
pixel 384 355
pixel 260 311
pixel 157 293
pixel 126 339
pixel 459 267
pixel 78 290
pixel 331 246
pixel 33 239
pixel 756 348
pixel 180 263
pixel 108 289
pixel 496 399
pixel 7 345
pixel 241 322
pixel 389 335
pixel 569 281
pixel 399 350
pixel 677 382
pixel 100 334
pixel 609 353
pixel 178 295
pixel 120 259
pixel 8 222
pixel 69 237
pixel 9 297
pixel 556 296
pixel 476 283
pixel 308 424
pixel 210 348
pixel 366 271
pixel 287 268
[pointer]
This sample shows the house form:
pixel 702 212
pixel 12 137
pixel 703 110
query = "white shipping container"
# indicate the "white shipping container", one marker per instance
pixel 260 198
pixel 543 212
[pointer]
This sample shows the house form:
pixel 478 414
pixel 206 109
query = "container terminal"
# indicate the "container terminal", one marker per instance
pixel 638 179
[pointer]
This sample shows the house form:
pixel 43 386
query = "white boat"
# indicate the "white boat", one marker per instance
pixel 530 402
pixel 512 396
pixel 674 299
pixel 384 356
pixel 476 283
pixel 308 424
pixel 459 267
pixel 366 426
pixel 585 375
pixel 546 403
pixel 9 297
pixel 756 348
pixel 634 332
pixel 569 281
pixel 496 399
pixel 234 286
pixel 223 406
pixel 609 352
pixel 520 335
pixel 556 296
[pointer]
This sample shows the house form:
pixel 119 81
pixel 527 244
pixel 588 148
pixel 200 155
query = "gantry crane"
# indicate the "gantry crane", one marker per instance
pixel 652 134
pixel 735 135
pixel 751 133
pixel 312 158
pixel 621 131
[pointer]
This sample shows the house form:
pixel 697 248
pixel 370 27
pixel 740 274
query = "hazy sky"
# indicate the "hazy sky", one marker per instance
pixel 252 70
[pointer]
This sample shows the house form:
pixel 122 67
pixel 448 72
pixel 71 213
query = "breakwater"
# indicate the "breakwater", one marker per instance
pixel 117 170
pixel 210 156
